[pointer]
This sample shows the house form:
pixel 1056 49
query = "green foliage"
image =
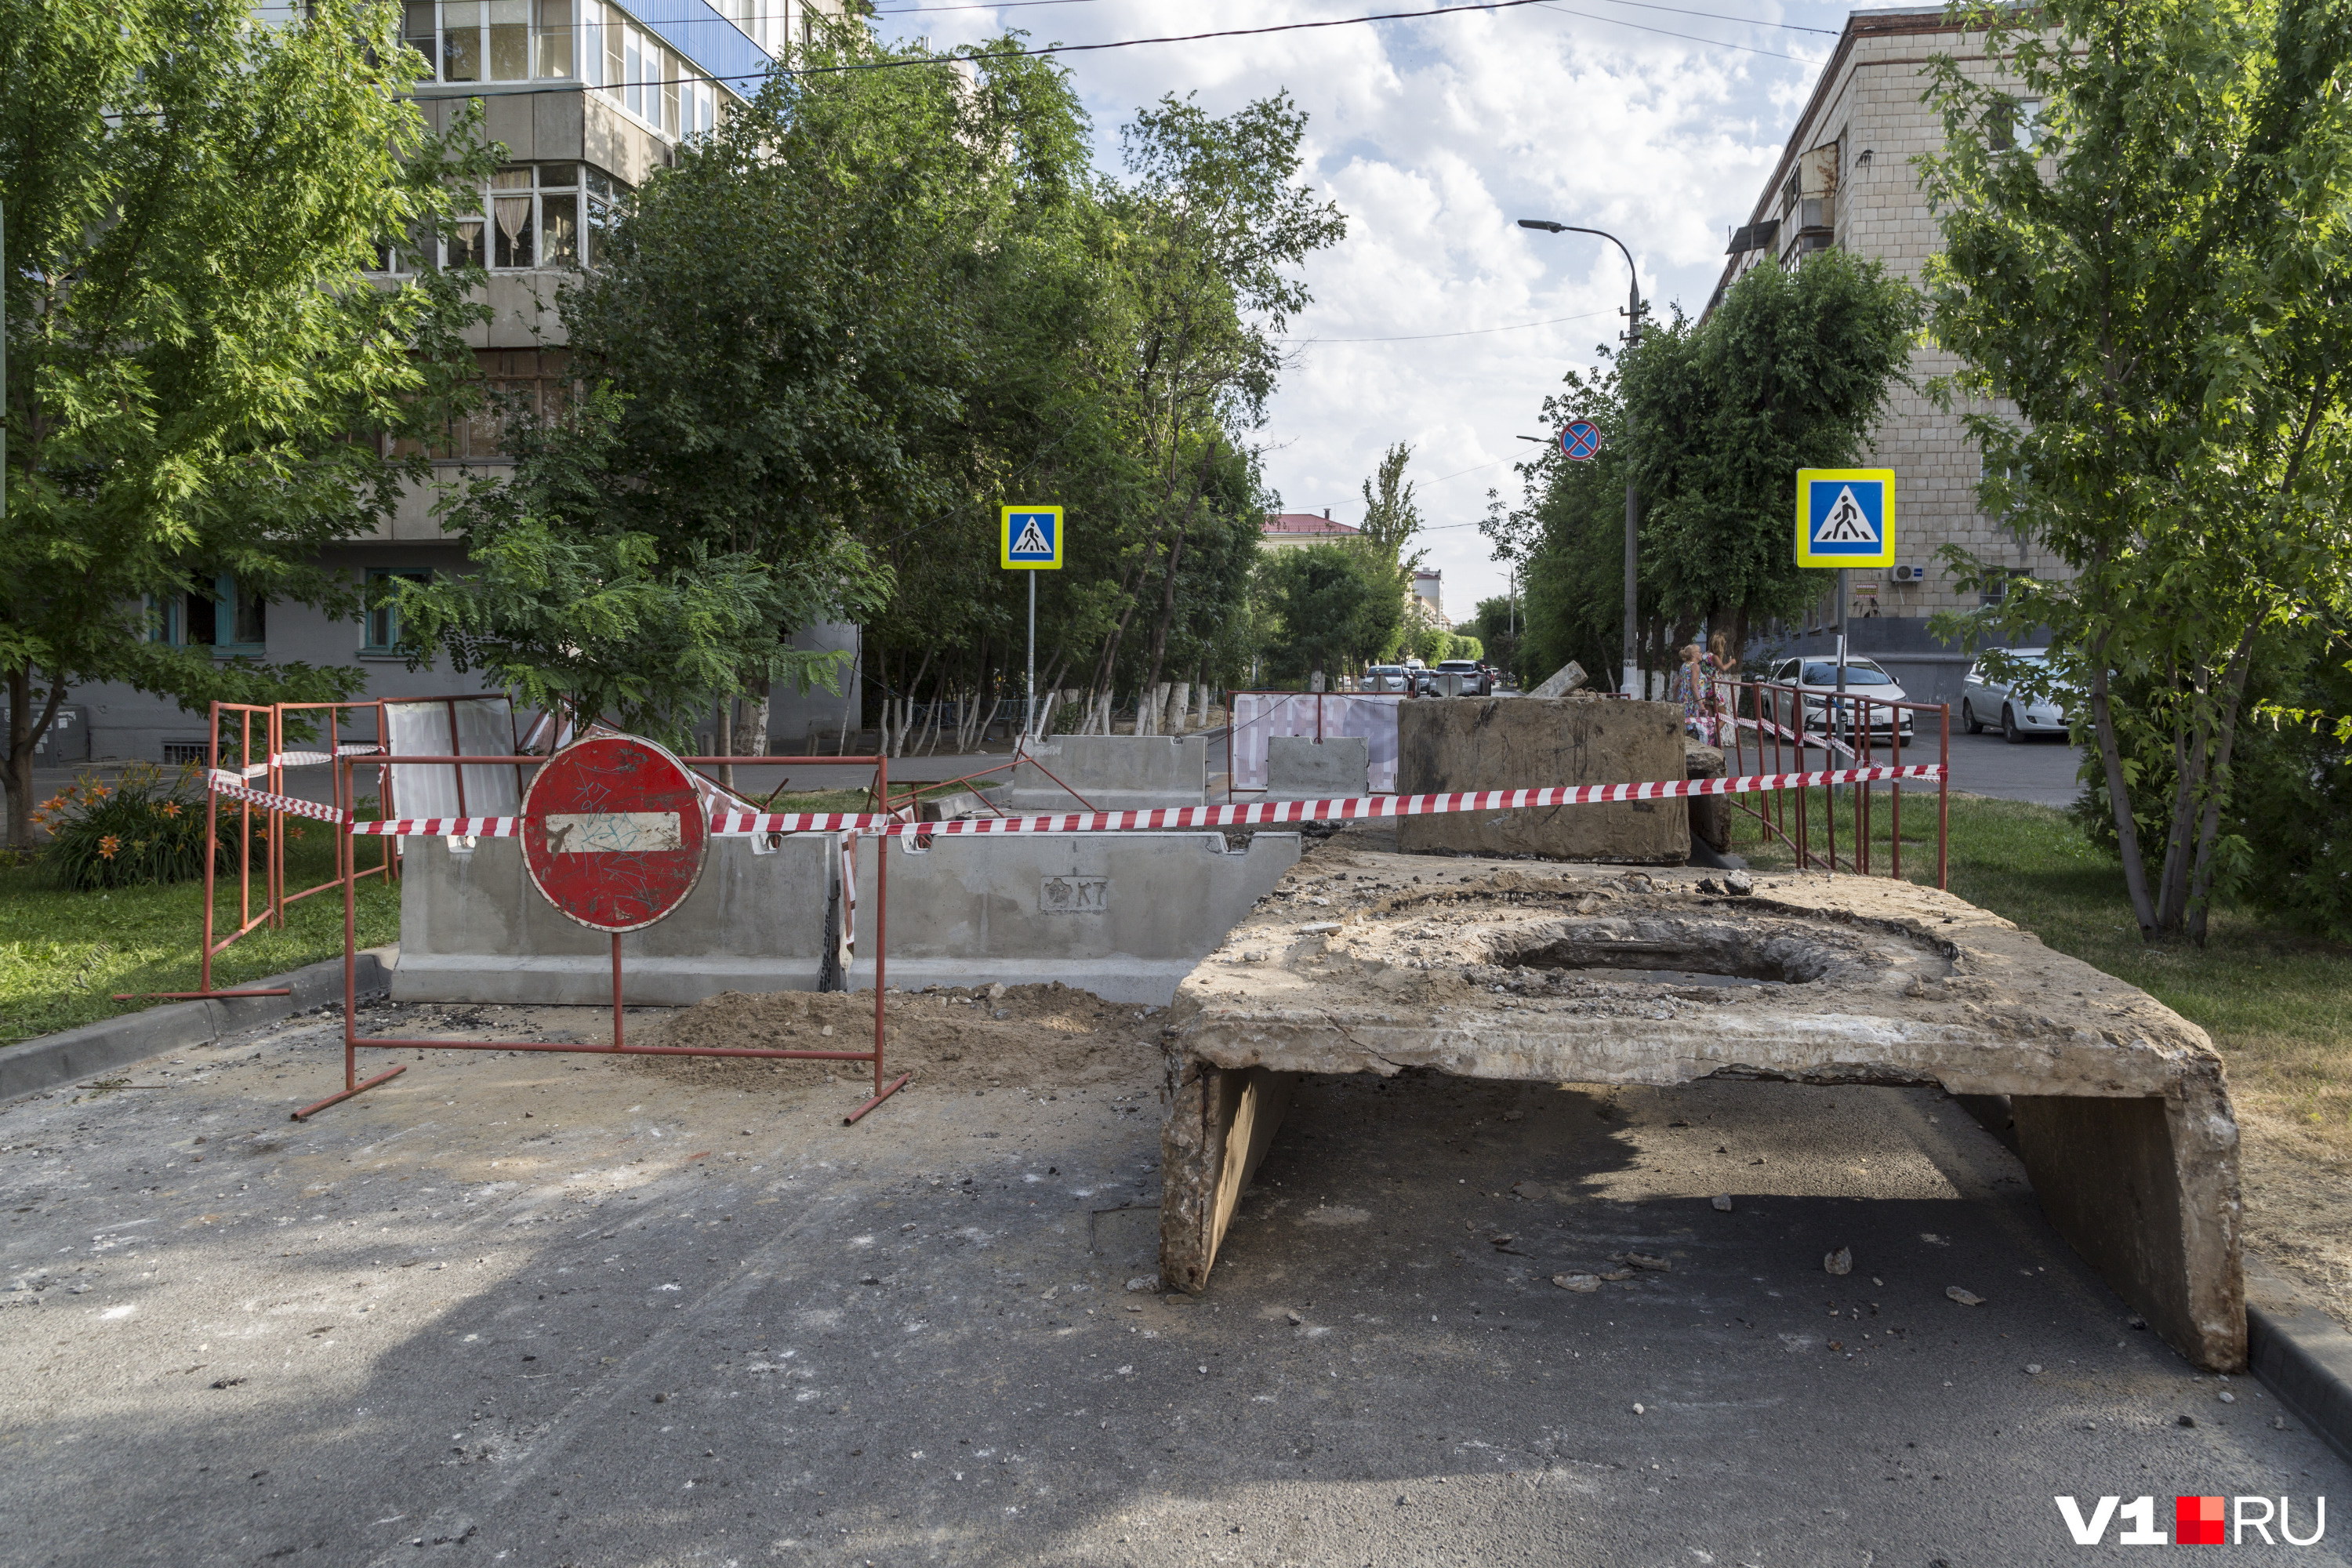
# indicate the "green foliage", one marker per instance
pixel 1465 647
pixel 2148 305
pixel 1496 627
pixel 135 831
pixel 917 301
pixel 1711 419
pixel 2281 844
pixel 192 199
pixel 1791 371
pixel 1391 517
pixel 571 612
pixel 1325 606
pixel 1428 643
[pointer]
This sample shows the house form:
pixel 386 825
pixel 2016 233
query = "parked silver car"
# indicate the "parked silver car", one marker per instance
pixel 1986 699
pixel 1387 677
pixel 1867 687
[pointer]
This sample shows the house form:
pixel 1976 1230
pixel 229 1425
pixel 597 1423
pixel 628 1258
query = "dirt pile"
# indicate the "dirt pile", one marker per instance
pixel 1039 1037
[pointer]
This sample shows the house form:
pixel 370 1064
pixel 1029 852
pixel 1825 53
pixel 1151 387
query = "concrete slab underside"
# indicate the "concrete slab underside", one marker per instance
pixel 1370 962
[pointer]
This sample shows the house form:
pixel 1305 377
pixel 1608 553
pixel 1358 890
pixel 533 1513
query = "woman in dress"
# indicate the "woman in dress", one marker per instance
pixel 1690 689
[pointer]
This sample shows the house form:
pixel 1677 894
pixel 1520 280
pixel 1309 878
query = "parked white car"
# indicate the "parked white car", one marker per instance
pixel 1986 700
pixel 1387 677
pixel 1867 686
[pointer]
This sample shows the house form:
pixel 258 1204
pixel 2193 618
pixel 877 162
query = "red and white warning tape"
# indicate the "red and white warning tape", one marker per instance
pixel 440 827
pixel 313 759
pixel 876 825
pixel 1349 809
pixel 227 784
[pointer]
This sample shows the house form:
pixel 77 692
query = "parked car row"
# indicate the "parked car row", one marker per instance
pixel 1473 679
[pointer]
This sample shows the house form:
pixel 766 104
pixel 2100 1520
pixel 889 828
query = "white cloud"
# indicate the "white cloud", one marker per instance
pixel 1436 136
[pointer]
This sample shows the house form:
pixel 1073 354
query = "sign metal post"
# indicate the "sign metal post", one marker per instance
pixel 1030 540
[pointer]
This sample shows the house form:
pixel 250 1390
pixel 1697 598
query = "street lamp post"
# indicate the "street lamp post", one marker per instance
pixel 1632 511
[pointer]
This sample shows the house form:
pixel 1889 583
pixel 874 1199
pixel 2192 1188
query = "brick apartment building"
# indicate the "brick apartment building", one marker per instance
pixel 1845 180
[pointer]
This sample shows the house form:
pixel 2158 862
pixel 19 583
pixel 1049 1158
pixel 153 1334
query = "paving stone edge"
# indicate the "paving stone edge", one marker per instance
pixel 71 1054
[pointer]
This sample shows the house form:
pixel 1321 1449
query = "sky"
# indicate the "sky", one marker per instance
pixel 1434 136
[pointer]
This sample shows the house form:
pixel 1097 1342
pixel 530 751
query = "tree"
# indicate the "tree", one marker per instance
pixel 2153 281
pixel 200 382
pixel 1325 606
pixel 1392 518
pixel 1791 371
pixel 576 615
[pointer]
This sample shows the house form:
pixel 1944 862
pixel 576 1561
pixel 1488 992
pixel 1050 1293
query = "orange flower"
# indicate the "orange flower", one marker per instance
pixel 108 846
pixel 172 809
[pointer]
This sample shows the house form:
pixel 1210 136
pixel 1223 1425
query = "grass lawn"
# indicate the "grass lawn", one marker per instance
pixel 2277 1002
pixel 64 954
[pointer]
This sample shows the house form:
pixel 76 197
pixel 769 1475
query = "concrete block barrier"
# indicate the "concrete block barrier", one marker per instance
pixel 1124 915
pixel 1299 767
pixel 1473 744
pixel 474 929
pixel 1112 772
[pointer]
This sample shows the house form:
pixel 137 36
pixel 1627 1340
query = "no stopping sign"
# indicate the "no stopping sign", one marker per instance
pixel 613 834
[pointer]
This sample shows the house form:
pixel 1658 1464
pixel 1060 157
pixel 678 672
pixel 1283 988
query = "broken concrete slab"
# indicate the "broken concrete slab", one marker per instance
pixel 1109 773
pixel 1368 961
pixel 1710 815
pixel 1474 743
pixel 1561 681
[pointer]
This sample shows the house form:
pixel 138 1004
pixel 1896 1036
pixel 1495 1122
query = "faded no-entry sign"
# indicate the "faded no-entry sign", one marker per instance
pixel 612 833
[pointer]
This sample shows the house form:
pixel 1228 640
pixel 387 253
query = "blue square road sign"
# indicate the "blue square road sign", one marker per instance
pixel 1845 517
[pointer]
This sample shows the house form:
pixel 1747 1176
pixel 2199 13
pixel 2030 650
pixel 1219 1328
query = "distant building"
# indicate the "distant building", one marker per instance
pixel 1844 180
pixel 1293 530
pixel 1428 598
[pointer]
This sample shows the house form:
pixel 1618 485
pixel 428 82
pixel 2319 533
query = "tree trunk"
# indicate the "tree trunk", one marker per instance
pixel 2111 760
pixel 25 733
pixel 724 739
pixel 2209 831
pixel 756 742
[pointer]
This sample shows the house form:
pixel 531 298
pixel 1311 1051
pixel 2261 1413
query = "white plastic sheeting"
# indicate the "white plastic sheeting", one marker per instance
pixel 1258 716
pixel 460 727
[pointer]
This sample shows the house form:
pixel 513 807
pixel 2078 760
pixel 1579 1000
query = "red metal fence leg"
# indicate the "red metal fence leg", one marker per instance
pixel 1944 799
pixel 617 990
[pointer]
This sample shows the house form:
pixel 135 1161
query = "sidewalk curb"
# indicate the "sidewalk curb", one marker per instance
pixel 2301 1354
pixel 72 1054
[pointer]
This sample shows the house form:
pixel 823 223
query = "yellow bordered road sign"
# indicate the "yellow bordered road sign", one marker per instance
pixel 1845 517
pixel 1031 539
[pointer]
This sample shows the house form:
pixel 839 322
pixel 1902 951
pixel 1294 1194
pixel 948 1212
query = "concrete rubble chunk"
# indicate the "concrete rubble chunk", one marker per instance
pixel 1839 1262
pixel 1561 681
pixel 1508 970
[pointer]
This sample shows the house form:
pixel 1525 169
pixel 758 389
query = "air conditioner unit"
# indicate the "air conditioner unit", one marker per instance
pixel 1909 574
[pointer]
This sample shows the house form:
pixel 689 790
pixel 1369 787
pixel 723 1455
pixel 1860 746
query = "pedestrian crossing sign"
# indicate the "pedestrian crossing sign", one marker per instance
pixel 1845 517
pixel 1031 539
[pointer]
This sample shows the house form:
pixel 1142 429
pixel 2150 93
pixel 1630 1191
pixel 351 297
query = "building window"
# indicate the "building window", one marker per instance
pixel 2017 123
pixel 382 635
pixel 490 40
pixel 531 215
pixel 228 620
pixel 1997 589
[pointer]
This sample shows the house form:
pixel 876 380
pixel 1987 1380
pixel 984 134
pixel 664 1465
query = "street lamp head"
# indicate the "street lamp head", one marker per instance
pixel 1546 225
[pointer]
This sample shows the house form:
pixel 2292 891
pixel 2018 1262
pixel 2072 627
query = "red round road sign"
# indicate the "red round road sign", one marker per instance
pixel 612 833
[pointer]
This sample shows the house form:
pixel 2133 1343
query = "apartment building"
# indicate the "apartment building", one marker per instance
pixel 1844 179
pixel 590 98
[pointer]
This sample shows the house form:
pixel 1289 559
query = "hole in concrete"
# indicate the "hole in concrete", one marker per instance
pixel 1708 955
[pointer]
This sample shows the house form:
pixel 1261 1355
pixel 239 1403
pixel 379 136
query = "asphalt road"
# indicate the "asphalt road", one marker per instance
pixel 548 1311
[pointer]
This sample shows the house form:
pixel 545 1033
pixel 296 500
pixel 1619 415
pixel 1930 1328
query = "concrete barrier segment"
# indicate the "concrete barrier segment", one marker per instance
pixel 1126 916
pixel 1109 773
